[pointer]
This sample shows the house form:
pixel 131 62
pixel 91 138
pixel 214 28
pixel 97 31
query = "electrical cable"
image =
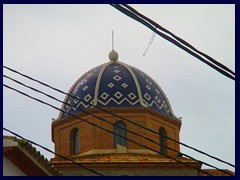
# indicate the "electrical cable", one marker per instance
pixel 64 157
pixel 118 116
pixel 178 38
pixel 142 21
pixel 193 48
pixel 122 118
pixel 102 119
pixel 72 115
pixel 108 130
pixel 128 13
pixel 155 142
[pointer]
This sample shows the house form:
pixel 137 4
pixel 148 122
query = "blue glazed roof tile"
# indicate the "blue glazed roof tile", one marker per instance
pixel 115 84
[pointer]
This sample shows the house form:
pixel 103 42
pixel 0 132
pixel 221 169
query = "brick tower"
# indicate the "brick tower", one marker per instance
pixel 115 88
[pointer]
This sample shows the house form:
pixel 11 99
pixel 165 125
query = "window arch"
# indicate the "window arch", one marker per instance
pixel 120 131
pixel 162 140
pixel 74 141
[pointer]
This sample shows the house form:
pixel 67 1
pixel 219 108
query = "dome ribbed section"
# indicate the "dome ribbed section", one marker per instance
pixel 116 85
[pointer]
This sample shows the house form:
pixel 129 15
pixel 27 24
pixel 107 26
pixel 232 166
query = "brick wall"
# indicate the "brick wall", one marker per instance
pixel 94 138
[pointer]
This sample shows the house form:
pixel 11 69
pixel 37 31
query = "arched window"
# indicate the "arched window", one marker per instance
pixel 121 131
pixel 74 141
pixel 163 140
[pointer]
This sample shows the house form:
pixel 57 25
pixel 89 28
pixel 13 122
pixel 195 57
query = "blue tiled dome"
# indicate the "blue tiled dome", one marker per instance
pixel 116 84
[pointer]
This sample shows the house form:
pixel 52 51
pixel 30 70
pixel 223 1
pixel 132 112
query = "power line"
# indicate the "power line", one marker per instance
pixel 178 38
pixel 72 115
pixel 150 26
pixel 167 137
pixel 117 134
pixel 64 157
pixel 102 119
pixel 143 20
pixel 122 118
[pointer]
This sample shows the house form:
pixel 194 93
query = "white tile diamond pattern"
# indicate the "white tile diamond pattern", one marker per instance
pixel 147 96
pixel 148 87
pixel 110 85
pixel 116 71
pixel 124 85
pixel 104 95
pixel 85 88
pixel 117 78
pixel 118 95
pixel 87 97
pixel 83 82
pixel 76 100
pixel 132 96
pixel 157 99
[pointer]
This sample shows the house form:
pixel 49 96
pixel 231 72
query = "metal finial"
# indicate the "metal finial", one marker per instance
pixel 112 40
pixel 113 55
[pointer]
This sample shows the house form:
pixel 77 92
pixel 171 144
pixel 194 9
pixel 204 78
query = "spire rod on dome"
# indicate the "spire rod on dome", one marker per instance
pixel 113 55
pixel 112 40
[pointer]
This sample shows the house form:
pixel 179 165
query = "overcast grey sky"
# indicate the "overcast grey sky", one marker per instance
pixel 58 43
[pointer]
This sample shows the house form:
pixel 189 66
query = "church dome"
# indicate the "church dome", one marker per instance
pixel 116 85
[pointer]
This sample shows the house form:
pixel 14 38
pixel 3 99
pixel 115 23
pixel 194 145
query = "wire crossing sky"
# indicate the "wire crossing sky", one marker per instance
pixel 59 43
pixel 104 110
pixel 131 12
pixel 85 120
pixel 105 120
pixel 102 119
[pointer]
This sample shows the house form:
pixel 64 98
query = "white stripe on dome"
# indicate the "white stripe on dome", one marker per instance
pixel 72 87
pixel 98 82
pixel 170 108
pixel 135 81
